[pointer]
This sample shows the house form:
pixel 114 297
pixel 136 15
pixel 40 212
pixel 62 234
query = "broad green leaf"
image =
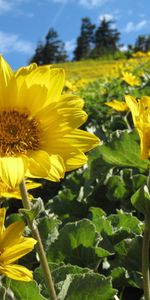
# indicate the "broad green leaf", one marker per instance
pixel 129 254
pixel 86 287
pixel 25 290
pixel 125 221
pixel 119 276
pixel 60 273
pixel 48 228
pixel 116 189
pixel 141 200
pixel 122 150
pixel 100 220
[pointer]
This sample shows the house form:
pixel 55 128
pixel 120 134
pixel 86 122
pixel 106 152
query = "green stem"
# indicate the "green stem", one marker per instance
pixel 40 249
pixel 145 259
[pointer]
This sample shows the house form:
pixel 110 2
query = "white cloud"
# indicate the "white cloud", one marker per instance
pixel 5 6
pixel 135 27
pixel 85 3
pixel 91 3
pixel 12 43
pixel 70 45
pixel 123 48
pixel 107 17
pixel 113 16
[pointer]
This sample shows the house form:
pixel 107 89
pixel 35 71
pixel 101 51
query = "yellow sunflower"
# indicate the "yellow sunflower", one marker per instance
pixel 117 105
pixel 13 246
pixel 131 79
pixel 140 110
pixel 39 135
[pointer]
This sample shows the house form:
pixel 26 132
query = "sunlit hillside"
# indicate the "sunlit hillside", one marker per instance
pixel 93 69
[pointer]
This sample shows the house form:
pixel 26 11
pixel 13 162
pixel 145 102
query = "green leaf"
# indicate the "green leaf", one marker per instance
pixel 120 277
pixel 125 221
pixel 86 287
pixel 71 236
pixel 116 189
pixel 123 150
pixel 141 200
pixel 48 228
pixel 99 219
pixel 25 290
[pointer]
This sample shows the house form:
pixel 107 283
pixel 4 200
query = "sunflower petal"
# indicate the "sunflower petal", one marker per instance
pixel 16 272
pixel 76 161
pixel 57 170
pixel 40 164
pixel 14 252
pixel 6 72
pixel 2 219
pixel 82 140
pixel 12 233
pixel 12 170
pixel 52 78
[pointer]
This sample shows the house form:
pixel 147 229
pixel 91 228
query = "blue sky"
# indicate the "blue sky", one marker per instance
pixel 25 22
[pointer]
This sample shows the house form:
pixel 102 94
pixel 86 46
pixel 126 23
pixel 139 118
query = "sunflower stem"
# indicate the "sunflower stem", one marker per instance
pixel 39 246
pixel 145 259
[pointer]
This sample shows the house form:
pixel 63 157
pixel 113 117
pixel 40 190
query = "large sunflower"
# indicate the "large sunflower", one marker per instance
pixel 39 135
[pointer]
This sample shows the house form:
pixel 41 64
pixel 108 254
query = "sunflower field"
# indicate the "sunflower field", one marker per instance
pixel 94 223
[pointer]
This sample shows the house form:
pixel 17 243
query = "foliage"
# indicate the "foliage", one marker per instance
pixel 85 40
pixel 142 43
pixel 91 231
pixel 53 51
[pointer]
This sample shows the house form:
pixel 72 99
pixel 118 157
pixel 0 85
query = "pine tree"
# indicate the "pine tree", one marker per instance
pixel 53 51
pixel 106 39
pixel 142 43
pixel 85 40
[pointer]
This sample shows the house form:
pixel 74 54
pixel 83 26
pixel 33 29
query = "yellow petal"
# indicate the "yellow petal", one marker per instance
pixel 25 70
pixel 14 252
pixel 57 170
pixel 40 164
pixel 2 219
pixel 52 78
pixel 12 170
pixel 82 140
pixel 76 161
pixel 8 89
pixel 133 106
pixel 16 272
pixel 12 233
pixel 32 98
pixel 6 73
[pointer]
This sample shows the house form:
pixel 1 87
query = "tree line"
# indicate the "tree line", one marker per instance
pixel 93 42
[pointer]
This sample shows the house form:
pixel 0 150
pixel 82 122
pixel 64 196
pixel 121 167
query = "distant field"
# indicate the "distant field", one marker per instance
pixel 90 69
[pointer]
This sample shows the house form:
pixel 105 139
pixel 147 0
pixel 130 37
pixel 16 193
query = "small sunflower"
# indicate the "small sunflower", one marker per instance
pixel 12 247
pixel 140 110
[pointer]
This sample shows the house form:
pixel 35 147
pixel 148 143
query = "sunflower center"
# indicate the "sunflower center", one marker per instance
pixel 18 133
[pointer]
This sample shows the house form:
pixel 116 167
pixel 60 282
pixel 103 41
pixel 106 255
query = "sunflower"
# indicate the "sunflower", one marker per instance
pixel 131 79
pixel 140 110
pixel 13 246
pixel 39 127
pixel 117 105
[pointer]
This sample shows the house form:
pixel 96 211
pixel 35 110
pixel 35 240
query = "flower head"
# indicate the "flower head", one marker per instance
pixel 39 135
pixel 117 105
pixel 140 110
pixel 13 246
pixel 130 79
